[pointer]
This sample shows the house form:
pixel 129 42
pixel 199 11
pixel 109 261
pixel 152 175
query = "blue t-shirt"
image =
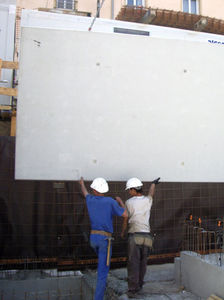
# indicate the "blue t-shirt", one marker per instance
pixel 101 211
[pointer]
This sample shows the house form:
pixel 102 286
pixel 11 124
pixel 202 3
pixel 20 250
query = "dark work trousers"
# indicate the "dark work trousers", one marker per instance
pixel 137 264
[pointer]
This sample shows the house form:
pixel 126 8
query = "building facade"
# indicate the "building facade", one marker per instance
pixel 185 14
pixel 111 8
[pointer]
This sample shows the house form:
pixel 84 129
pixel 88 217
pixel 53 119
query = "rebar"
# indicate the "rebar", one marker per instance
pixel 203 240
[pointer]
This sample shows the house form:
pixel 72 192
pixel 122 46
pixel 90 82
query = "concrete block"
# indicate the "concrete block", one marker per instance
pixel 177 270
pixel 201 277
pixel 40 289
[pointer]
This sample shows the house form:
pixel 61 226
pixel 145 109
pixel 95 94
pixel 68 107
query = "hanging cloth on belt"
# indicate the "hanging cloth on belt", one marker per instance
pixel 108 237
pixel 145 239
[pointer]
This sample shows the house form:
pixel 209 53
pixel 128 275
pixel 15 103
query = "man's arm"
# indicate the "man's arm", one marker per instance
pixel 152 187
pixel 152 190
pixel 125 216
pixel 124 226
pixel 83 187
pixel 121 203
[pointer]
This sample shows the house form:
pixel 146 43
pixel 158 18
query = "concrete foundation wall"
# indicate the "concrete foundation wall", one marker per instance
pixel 29 285
pixel 199 276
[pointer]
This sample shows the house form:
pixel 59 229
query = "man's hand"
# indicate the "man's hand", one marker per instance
pixel 119 201
pixel 152 186
pixel 156 181
pixel 83 188
pixel 81 181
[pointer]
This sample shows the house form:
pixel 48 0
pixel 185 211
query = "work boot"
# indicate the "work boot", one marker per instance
pixel 133 294
pixel 141 293
pixel 141 284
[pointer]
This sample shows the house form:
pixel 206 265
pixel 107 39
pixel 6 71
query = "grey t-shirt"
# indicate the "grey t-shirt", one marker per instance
pixel 139 208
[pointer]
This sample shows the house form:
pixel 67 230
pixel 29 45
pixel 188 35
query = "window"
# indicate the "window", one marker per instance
pixel 190 6
pixel 66 4
pixel 135 2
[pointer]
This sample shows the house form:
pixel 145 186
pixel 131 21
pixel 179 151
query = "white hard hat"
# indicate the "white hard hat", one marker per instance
pixel 133 183
pixel 100 185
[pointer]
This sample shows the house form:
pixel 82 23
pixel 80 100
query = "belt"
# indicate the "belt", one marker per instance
pixel 140 233
pixel 101 232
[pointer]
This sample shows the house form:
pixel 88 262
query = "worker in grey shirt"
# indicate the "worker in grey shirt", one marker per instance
pixel 139 237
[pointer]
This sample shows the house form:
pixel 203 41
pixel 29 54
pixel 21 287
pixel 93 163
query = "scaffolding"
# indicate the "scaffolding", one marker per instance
pixel 171 18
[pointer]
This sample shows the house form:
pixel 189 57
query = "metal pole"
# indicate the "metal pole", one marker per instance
pixel 97 13
pixel 98 9
pixel 112 9
pixel 223 234
pixel 209 242
pixel 192 238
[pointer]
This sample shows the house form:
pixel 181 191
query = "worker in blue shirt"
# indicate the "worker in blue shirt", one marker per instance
pixel 101 210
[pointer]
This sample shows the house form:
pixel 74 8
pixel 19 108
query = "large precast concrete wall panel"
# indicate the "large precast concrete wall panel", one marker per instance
pixel 117 106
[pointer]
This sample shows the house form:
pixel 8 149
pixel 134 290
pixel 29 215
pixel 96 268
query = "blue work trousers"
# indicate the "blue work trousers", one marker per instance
pixel 100 244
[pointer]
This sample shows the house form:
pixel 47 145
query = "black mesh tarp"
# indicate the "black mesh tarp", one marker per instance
pixel 50 219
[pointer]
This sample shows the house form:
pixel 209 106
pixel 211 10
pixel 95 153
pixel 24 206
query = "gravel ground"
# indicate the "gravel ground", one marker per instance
pixel 159 285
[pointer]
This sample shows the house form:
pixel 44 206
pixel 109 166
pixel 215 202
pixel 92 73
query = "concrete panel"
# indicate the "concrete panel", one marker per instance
pixel 113 105
pixel 200 277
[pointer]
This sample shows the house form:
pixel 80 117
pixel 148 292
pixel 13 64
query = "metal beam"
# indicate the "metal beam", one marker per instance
pixel 201 24
pixel 148 17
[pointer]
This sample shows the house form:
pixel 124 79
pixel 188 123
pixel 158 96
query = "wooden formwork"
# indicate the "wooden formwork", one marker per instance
pixel 9 92
pixel 214 297
pixel 72 263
